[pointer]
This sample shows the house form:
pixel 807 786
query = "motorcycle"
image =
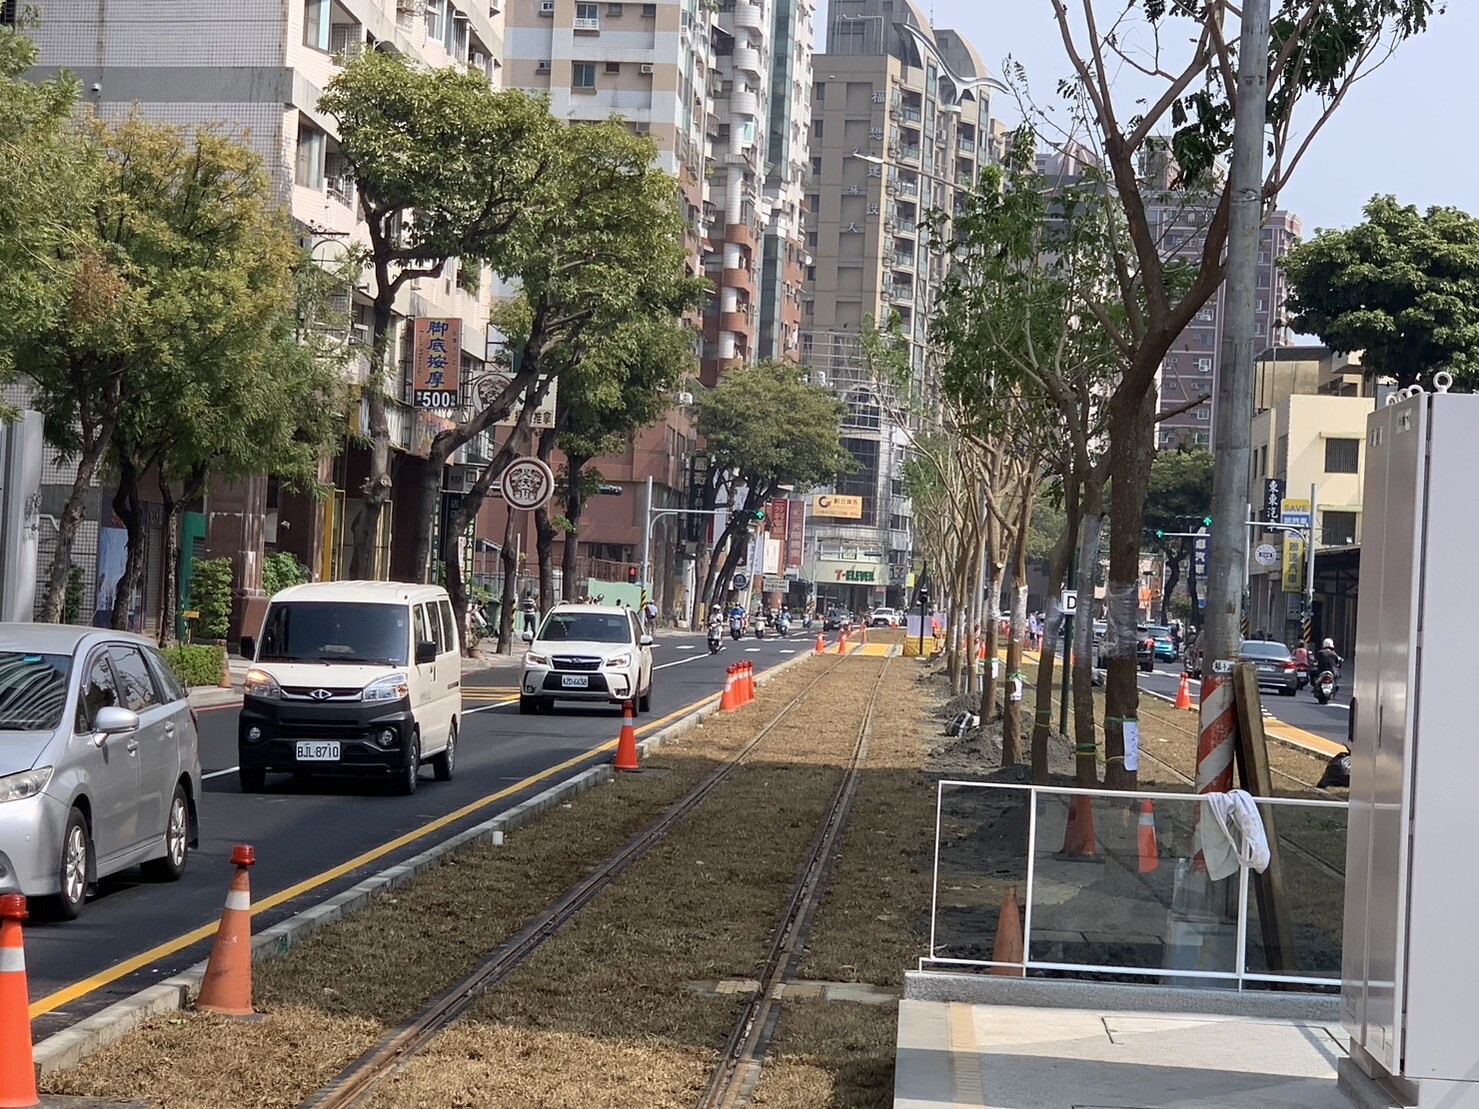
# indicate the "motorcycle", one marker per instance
pixel 806 622
pixel 783 625
pixel 759 627
pixel 1325 684
pixel 736 627
pixel 715 635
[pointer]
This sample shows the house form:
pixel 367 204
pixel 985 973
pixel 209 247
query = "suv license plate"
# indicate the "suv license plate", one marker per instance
pixel 574 681
pixel 315 751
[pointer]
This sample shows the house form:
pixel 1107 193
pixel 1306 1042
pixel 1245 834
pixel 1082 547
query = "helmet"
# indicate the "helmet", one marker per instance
pixel 1328 645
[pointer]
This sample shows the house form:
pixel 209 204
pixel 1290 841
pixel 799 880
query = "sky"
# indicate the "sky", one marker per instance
pixel 1405 130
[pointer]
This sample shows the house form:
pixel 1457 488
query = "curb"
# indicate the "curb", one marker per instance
pixel 67 1048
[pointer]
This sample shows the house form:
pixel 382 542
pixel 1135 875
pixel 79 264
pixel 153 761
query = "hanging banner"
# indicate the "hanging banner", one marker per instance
pixel 837 508
pixel 1293 564
pixel 436 363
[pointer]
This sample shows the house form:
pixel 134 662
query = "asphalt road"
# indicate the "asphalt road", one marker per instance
pixel 308 836
pixel 1301 711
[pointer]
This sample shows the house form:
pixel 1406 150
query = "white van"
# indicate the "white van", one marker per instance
pixel 353 678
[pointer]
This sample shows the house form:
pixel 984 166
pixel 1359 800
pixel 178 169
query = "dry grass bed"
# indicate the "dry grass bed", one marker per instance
pixel 333 995
pixel 831 1055
pixel 600 1016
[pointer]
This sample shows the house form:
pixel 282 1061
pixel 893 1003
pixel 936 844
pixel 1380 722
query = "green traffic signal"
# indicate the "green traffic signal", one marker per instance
pixel 1206 521
pixel 1160 533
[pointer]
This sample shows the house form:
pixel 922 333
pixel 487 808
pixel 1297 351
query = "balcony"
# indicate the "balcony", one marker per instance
pixel 903 261
pixel 966 145
pixel 749 14
pixel 909 188
pixel 593 25
pixel 746 59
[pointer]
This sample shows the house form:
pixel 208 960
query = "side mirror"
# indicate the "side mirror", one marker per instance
pixel 426 651
pixel 645 641
pixel 112 720
pixel 527 637
pixel 248 647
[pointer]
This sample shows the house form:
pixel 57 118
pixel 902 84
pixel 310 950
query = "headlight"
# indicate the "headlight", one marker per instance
pixel 534 658
pixel 28 783
pixel 392 687
pixel 619 660
pixel 259 683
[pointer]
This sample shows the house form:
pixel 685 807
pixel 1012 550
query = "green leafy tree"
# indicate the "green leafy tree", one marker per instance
pixel 1173 131
pixel 765 427
pixel 1179 493
pixel 444 169
pixel 1402 287
pixel 210 594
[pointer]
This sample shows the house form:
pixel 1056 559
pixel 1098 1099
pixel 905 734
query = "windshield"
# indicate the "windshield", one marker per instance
pixel 1266 650
pixel 33 691
pixel 1158 631
pixel 591 627
pixel 335 631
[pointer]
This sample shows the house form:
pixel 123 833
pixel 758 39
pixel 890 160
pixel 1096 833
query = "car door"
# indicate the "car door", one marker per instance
pixel 158 736
pixel 174 695
pixel 424 700
pixel 449 664
pixel 644 658
pixel 112 767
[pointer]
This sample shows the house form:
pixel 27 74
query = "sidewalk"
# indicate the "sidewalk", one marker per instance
pixel 954 1054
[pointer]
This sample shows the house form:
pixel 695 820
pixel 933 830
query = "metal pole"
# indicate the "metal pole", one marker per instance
pixel 1309 561
pixel 646 538
pixel 1233 414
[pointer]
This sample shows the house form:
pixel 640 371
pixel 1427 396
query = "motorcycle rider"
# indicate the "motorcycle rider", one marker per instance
pixel 716 627
pixel 737 620
pixel 783 621
pixel 1327 659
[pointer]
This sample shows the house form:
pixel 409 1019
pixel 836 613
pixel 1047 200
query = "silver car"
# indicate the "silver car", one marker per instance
pixel 99 762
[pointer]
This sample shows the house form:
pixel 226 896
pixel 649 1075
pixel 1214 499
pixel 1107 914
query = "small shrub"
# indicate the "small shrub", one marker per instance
pixel 281 569
pixel 210 595
pixel 196 663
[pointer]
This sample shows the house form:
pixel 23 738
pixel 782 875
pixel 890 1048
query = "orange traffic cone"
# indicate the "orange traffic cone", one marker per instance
pixel 1009 938
pixel 227 986
pixel 626 742
pixel 1150 851
pixel 17 1066
pixel 749 672
pixel 821 643
pixel 842 644
pixel 729 701
pixel 1079 841
pixel 1183 692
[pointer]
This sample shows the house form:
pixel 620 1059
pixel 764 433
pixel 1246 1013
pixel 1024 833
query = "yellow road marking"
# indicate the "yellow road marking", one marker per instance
pixel 1311 742
pixel 122 969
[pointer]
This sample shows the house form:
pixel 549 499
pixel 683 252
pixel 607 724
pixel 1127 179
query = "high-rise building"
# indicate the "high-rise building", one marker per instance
pixel 258 70
pixel 1190 368
pixel 901 121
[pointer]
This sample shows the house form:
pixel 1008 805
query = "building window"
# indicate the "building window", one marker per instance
pixel 1204 365
pixel 816 128
pixel 1342 456
pixel 316 24
pixel 819 91
pixel 436 20
pixel 613 9
pixel 649 11
pixel 587 14
pixel 1204 413
pixel 309 171
pixel 1338 529
pixel 613 67
pixel 582 75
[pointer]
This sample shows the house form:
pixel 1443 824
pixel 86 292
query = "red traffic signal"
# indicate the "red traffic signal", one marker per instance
pixel 631 575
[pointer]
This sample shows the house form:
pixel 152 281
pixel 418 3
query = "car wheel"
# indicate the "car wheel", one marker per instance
pixel 1288 692
pixel 74 867
pixel 445 762
pixel 1147 666
pixel 411 772
pixel 528 705
pixel 644 702
pixel 176 841
pixel 544 704
pixel 253 778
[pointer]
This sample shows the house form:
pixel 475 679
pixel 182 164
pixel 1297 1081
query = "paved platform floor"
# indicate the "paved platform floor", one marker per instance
pixel 1006 1057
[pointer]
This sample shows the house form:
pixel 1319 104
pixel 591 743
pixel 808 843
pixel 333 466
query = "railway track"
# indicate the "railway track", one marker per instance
pixel 354 1085
pixel 734 1080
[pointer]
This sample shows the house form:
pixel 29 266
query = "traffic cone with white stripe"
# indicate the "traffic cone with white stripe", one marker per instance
pixel 17 1063
pixel 626 742
pixel 1183 692
pixel 821 643
pixel 748 673
pixel 1150 851
pixel 227 986
pixel 729 700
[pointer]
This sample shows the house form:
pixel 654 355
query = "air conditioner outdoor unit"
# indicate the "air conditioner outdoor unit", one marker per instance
pixel 684 399
pixel 646 69
pixel 543 66
pixel 546 7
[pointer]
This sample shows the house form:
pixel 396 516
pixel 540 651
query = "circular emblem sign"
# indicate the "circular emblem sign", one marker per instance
pixel 527 483
pixel 1266 554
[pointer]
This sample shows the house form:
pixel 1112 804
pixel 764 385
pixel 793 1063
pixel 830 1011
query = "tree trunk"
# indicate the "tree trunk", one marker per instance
pixel 1131 435
pixel 428 505
pixel 574 507
pixel 1042 719
pixel 990 605
pixel 128 509
pixel 510 560
pixel 1173 578
pixel 544 532
pixel 365 529
pixel 1085 735
pixel 169 582
pixel 1011 725
pixel 70 520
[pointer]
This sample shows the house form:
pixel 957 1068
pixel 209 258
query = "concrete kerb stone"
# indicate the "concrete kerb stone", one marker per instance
pixel 981 989
pixel 67 1048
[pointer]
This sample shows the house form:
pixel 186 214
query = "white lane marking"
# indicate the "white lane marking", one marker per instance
pixel 219 773
pixel 680 662
pixel 788 652
pixel 752 650
pixel 684 647
pixel 494 705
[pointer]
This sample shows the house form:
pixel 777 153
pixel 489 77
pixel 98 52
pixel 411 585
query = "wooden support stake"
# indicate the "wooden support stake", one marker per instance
pixel 1251 748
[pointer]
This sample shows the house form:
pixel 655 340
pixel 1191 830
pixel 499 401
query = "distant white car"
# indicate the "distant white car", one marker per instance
pixel 883 618
pixel 587 653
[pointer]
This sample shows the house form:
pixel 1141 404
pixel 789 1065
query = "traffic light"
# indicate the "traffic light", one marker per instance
pixel 756 514
pixel 1206 521
pixel 1160 533
pixel 631 575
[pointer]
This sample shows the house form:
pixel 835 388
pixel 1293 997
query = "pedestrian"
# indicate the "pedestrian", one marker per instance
pixel 529 607
pixel 649 616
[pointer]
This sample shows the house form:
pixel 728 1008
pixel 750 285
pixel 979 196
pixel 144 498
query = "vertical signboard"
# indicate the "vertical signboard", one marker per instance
pixel 796 536
pixel 1273 500
pixel 436 363
pixel 1293 564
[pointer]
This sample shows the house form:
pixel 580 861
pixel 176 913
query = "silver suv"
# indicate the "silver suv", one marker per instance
pixel 99 762
pixel 587 653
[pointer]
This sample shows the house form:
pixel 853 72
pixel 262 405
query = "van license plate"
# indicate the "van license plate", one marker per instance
pixel 316 751
pixel 574 681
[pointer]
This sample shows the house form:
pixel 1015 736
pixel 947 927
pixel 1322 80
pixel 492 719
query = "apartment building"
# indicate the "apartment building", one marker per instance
pixel 901 121
pixel 259 71
pixel 1190 368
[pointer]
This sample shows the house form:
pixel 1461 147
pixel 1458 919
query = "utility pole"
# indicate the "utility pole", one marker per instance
pixel 1228 562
